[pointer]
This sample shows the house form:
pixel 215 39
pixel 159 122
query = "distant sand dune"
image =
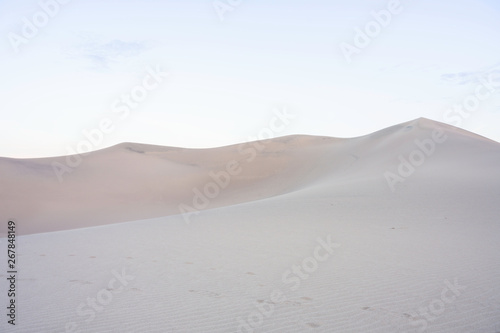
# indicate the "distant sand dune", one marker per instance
pixel 136 181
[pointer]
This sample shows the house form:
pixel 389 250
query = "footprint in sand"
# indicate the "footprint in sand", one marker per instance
pixel 392 313
pixel 80 281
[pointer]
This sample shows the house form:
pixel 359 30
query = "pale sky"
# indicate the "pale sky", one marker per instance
pixel 232 64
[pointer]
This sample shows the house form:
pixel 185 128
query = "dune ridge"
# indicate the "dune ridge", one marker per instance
pixel 133 181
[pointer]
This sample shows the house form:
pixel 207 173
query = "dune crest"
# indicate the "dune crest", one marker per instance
pixel 132 181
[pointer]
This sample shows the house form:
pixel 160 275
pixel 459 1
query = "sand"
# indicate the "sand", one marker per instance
pixel 395 231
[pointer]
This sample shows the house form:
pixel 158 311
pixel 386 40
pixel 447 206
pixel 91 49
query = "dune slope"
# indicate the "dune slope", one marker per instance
pixel 395 231
pixel 136 181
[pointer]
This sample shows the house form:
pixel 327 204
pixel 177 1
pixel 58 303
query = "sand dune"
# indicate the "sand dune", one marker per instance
pixel 412 212
pixel 136 181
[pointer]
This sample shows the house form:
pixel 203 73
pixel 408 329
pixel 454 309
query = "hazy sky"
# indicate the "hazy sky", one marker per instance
pixel 233 64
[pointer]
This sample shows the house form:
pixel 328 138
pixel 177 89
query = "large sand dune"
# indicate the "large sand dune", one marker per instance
pixel 396 231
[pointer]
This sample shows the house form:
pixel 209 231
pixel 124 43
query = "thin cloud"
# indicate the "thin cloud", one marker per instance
pixel 102 55
pixel 471 77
